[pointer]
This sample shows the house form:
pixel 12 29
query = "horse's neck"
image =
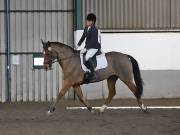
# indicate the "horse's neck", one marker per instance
pixel 68 60
pixel 63 52
pixel 64 55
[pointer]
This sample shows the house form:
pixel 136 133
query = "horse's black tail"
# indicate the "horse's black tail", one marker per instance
pixel 137 77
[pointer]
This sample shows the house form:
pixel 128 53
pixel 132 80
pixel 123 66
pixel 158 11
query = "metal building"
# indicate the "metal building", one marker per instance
pixel 134 14
pixel 56 20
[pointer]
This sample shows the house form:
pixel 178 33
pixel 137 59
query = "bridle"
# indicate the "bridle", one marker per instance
pixel 59 60
pixel 66 58
pixel 51 60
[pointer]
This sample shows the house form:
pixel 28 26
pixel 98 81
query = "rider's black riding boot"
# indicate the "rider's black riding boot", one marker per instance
pixel 92 68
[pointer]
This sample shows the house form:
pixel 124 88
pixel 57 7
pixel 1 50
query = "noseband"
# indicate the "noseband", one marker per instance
pixel 48 59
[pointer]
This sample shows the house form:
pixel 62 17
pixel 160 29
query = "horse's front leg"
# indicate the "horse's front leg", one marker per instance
pixel 66 87
pixel 79 93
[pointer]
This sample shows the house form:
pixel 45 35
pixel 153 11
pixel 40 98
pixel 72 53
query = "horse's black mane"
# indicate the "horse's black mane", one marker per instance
pixel 64 45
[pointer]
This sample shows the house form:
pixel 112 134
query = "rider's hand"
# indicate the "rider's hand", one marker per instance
pixel 83 50
pixel 76 47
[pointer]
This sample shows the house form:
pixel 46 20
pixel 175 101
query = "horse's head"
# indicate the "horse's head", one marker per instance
pixel 55 50
pixel 48 55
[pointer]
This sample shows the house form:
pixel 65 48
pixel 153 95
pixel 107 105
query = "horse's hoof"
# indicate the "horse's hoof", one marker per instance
pixel 102 109
pixel 92 111
pixel 49 113
pixel 95 112
pixel 100 112
pixel 144 108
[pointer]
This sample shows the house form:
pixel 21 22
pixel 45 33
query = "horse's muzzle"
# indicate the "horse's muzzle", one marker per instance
pixel 46 67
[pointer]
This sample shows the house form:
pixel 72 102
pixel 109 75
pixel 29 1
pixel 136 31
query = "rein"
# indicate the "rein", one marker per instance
pixel 66 58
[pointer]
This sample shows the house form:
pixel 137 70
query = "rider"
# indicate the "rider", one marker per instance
pixel 91 45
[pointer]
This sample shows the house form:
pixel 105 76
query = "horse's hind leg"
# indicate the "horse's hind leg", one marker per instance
pixel 111 81
pixel 133 88
pixel 79 93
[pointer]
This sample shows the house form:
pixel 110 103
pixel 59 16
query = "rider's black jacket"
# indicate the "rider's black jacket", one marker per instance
pixel 91 36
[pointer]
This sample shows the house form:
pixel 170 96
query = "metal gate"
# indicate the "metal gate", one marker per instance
pixel 30 21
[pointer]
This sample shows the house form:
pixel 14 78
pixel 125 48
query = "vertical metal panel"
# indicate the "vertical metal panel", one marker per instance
pixel 2 78
pixel 129 14
pixel 27 28
pixel 2 56
pixel 175 13
pixel 25 57
pixel 54 38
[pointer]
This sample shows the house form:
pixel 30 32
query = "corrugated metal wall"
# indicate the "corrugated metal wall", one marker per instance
pixel 134 14
pixel 2 55
pixel 28 25
pixel 175 14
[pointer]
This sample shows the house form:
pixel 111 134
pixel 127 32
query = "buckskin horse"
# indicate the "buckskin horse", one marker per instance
pixel 120 66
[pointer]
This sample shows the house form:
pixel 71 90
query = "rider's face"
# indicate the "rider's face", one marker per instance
pixel 89 23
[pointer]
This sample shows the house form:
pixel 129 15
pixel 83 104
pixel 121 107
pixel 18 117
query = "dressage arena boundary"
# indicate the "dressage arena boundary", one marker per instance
pixel 126 107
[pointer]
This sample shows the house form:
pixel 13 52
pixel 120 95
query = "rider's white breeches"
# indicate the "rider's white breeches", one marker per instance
pixel 90 53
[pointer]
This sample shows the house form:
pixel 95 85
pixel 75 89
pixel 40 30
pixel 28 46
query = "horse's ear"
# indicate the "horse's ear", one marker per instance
pixel 42 41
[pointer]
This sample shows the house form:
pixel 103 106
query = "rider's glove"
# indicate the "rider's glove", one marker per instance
pixel 76 47
pixel 83 50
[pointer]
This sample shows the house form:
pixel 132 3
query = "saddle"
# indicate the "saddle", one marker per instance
pixel 99 61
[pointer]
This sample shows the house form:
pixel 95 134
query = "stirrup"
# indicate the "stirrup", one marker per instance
pixel 93 77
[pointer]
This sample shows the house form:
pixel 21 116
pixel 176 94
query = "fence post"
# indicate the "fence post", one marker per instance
pixel 78 14
pixel 7 41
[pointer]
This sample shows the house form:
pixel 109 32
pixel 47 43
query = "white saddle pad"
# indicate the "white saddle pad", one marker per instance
pixel 101 62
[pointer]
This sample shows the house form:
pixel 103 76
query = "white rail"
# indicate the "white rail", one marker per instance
pixel 125 107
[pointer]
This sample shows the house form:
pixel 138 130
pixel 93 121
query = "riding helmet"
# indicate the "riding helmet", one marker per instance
pixel 91 17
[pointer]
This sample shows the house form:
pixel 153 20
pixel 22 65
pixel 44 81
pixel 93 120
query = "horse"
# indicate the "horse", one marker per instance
pixel 120 66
